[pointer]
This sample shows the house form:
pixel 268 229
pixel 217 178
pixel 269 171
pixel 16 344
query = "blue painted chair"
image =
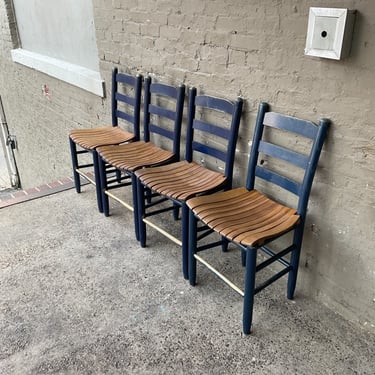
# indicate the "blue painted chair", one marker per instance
pixel 177 182
pixel 251 219
pixel 163 111
pixel 126 106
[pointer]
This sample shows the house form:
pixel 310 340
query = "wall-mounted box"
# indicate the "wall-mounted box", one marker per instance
pixel 329 32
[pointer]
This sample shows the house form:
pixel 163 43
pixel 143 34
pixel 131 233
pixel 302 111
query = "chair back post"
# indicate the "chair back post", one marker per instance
pixel 190 128
pixel 310 170
pixel 146 113
pixel 137 106
pixel 178 121
pixel 235 124
pixel 254 153
pixel 113 97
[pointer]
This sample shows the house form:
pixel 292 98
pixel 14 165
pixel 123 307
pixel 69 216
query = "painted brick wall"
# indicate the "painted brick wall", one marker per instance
pixel 9 38
pixel 229 48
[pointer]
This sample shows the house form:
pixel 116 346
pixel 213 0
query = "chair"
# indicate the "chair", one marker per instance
pixel 163 110
pixel 126 105
pixel 179 181
pixel 251 219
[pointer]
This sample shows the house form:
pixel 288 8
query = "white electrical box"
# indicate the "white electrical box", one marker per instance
pixel 329 32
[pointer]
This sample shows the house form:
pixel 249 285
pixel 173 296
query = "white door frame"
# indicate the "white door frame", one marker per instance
pixel 8 143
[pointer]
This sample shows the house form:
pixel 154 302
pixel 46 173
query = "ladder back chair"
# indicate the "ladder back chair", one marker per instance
pixel 179 181
pixel 163 111
pixel 125 106
pixel 251 219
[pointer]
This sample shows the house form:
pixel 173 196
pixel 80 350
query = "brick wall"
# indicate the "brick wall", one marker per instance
pixel 248 48
pixel 9 36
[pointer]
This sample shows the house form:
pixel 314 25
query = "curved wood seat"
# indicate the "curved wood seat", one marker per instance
pixel 90 139
pixel 135 155
pixel 246 217
pixel 181 180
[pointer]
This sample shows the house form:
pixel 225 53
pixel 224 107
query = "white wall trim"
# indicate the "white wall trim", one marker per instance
pixel 76 75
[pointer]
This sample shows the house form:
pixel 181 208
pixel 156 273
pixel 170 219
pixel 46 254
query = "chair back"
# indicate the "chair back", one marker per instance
pixel 163 109
pixel 216 125
pixel 126 100
pixel 266 149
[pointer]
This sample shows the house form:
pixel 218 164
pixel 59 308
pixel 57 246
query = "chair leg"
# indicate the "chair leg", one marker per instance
pixel 294 262
pixel 141 212
pixel 176 211
pixel 251 258
pixel 73 152
pixel 135 206
pixel 243 257
pixel 224 245
pixel 192 246
pixel 118 175
pixel 97 181
pixel 103 185
pixel 185 239
pixel 148 195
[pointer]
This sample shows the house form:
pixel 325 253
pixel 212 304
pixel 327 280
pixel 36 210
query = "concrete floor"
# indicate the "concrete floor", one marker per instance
pixel 79 296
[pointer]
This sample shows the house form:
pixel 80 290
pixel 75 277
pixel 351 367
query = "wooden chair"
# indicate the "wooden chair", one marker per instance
pixel 251 219
pixel 163 111
pixel 126 105
pixel 179 181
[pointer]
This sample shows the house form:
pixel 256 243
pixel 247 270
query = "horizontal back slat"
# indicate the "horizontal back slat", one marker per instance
pixel 125 78
pixel 159 130
pixel 282 153
pixel 208 150
pixel 159 88
pixel 214 103
pixel 211 128
pixel 282 181
pixel 125 99
pixel 291 124
pixel 125 116
pixel 164 112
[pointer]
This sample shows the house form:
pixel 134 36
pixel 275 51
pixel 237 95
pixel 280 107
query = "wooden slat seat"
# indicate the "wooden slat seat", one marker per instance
pixel 246 217
pixel 90 139
pixel 135 155
pixel 185 181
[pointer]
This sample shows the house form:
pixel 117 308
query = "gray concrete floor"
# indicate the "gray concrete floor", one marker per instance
pixel 79 296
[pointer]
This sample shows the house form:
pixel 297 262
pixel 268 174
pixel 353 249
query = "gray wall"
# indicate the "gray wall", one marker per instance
pixel 249 48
